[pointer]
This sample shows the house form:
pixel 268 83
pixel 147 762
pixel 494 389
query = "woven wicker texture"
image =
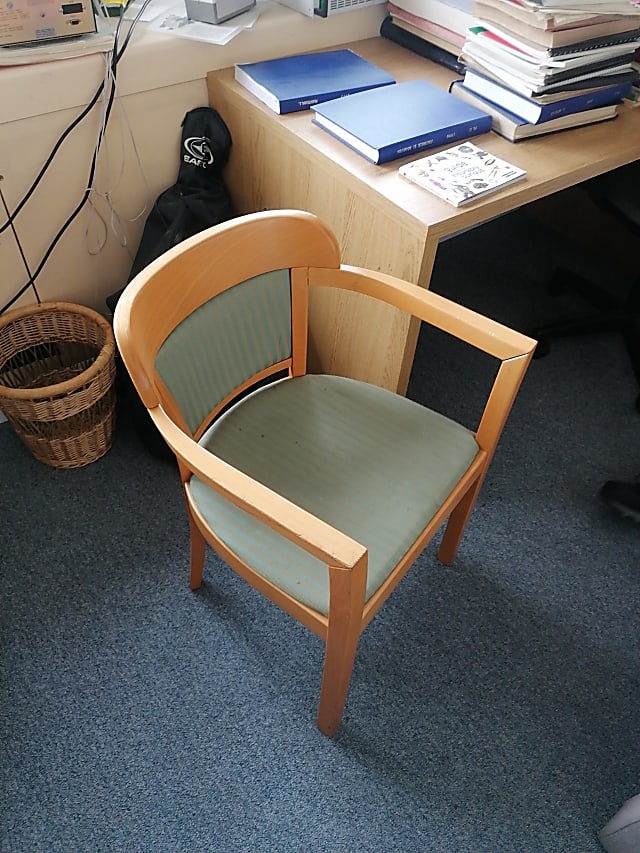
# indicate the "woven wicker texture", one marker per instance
pixel 57 372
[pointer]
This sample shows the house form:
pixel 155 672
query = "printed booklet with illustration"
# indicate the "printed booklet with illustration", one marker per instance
pixel 461 174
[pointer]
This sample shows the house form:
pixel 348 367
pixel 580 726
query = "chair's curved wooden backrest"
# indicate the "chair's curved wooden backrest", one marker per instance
pixel 221 311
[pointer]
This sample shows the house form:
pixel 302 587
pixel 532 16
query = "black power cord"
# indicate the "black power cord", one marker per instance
pixel 116 57
pixel 32 283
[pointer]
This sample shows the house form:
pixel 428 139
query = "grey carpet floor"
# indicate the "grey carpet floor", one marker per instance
pixel 494 705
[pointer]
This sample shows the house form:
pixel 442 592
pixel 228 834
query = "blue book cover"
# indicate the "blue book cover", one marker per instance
pixel 532 110
pixel 514 128
pixel 293 83
pixel 400 120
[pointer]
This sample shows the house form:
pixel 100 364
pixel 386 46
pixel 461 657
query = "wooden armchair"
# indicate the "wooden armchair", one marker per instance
pixel 320 491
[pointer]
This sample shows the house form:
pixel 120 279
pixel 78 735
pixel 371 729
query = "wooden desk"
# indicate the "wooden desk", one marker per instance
pixel 382 221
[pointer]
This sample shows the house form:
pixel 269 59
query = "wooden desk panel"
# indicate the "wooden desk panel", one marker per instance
pixel 382 221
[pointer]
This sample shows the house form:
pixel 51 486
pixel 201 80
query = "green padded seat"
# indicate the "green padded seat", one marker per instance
pixel 369 462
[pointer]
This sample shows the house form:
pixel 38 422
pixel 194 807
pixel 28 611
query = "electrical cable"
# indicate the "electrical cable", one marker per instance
pixel 32 283
pixel 101 241
pixel 116 56
pixel 52 155
pixel 95 246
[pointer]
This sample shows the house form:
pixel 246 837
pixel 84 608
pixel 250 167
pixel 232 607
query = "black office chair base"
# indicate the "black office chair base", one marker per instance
pixel 616 193
pixel 613 315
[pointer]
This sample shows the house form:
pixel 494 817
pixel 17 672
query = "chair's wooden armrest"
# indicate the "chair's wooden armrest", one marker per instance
pixel 291 521
pixel 512 348
pixel 465 324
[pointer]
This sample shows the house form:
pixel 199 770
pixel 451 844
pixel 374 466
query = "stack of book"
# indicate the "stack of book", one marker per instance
pixel 538 68
pixel 434 28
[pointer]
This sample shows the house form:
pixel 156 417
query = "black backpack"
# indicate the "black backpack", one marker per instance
pixel 198 200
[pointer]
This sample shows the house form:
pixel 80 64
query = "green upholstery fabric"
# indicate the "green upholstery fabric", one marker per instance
pixel 371 463
pixel 226 341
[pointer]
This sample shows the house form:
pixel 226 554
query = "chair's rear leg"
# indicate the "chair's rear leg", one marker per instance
pixel 198 547
pixel 456 525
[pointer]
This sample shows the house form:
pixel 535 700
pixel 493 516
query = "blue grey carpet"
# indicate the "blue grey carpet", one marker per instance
pixel 494 705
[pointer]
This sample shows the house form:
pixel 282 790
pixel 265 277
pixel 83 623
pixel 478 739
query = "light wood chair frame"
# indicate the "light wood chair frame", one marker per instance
pixel 186 277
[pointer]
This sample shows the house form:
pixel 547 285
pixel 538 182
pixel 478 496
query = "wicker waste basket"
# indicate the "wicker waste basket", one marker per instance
pixel 57 374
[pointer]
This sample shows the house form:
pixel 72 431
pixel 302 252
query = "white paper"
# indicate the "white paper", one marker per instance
pixel 170 17
pixel 152 11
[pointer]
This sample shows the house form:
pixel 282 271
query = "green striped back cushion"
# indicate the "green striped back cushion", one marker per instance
pixel 225 342
pixel 369 462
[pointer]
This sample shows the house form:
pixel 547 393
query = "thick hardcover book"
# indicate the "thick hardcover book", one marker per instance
pixel 425 27
pixel 293 83
pixel 397 121
pixel 456 15
pixel 432 38
pixel 514 128
pixel 461 174
pixel 535 112
pixel 390 30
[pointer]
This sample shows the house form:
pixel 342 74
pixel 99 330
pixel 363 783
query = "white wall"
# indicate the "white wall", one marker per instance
pixel 160 78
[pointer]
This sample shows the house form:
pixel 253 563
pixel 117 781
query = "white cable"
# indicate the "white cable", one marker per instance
pixel 124 121
pixel 101 7
pixel 115 219
pixel 104 100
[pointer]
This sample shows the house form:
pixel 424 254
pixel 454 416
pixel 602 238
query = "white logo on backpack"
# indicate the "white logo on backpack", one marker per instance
pixel 198 152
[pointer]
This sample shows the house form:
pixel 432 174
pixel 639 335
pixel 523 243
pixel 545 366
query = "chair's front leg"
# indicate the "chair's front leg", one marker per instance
pixel 347 591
